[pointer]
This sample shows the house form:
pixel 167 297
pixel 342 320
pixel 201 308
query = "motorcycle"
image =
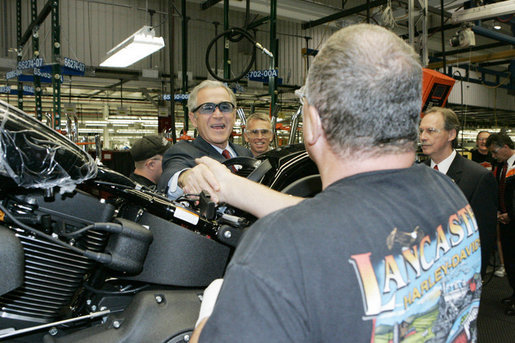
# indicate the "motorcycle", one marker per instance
pixel 90 256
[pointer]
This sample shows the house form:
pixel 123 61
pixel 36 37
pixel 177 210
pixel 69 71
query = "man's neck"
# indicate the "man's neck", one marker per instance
pixel 441 155
pixel 337 168
pixel 145 175
pixel 482 152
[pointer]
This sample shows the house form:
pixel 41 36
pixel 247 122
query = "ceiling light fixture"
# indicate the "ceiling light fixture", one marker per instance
pixel 139 45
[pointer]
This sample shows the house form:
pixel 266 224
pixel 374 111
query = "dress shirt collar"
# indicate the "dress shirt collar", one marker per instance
pixel 443 167
pixel 228 148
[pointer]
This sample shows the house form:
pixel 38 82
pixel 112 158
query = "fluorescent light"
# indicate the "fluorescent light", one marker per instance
pixel 141 44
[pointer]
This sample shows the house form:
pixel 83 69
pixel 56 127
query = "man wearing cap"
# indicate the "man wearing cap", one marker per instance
pixel 212 110
pixel 147 153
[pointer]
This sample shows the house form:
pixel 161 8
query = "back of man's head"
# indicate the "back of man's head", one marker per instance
pixel 147 147
pixel 366 85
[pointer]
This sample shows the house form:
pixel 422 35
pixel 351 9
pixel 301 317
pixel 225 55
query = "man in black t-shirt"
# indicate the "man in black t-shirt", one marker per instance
pixel 481 154
pixel 388 251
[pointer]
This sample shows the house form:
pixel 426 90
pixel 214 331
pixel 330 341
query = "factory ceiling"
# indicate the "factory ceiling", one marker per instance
pixel 492 54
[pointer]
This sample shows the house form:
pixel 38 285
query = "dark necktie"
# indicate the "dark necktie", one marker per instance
pixel 435 167
pixel 502 186
pixel 227 156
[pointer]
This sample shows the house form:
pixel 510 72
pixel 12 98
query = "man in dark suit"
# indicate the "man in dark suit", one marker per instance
pixel 503 150
pixel 212 108
pixel 438 131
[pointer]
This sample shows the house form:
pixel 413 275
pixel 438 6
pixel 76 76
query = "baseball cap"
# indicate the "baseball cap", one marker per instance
pixel 148 146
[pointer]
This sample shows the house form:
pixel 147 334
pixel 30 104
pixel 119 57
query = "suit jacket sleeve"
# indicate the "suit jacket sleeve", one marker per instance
pixel 183 154
pixel 484 203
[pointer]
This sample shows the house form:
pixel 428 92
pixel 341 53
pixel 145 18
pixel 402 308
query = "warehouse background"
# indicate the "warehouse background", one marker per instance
pixel 123 104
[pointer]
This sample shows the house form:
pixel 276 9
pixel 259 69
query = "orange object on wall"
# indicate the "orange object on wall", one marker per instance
pixel 436 88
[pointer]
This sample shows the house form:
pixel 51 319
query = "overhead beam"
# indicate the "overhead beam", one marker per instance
pixel 39 20
pixel 502 55
pixel 482 12
pixel 474 48
pixel 208 3
pixel 343 14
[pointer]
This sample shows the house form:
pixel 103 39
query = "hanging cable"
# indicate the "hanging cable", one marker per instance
pixel 235 34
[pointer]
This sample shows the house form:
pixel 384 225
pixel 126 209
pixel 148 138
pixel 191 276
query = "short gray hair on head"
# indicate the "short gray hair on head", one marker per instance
pixel 192 99
pixel 259 116
pixel 366 84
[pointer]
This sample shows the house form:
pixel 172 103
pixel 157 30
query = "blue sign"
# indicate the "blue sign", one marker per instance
pixel 43 77
pixel 30 64
pixel 176 97
pixel 63 70
pixel 26 90
pixel 12 74
pixel 74 65
pixel 262 75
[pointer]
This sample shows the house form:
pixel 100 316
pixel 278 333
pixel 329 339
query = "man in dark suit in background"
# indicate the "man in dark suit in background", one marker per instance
pixel 438 130
pixel 212 110
pixel 503 150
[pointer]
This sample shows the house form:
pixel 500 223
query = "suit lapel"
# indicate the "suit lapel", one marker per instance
pixel 455 170
pixel 208 149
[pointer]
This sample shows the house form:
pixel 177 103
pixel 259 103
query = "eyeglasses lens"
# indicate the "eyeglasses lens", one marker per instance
pixel 257 132
pixel 210 107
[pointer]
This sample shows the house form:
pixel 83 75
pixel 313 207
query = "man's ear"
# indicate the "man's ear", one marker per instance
pixel 313 125
pixel 452 135
pixel 193 119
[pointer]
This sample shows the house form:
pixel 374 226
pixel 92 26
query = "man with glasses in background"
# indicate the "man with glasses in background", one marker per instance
pixel 438 132
pixel 147 153
pixel 258 133
pixel 502 149
pixel 212 110
pixel 481 154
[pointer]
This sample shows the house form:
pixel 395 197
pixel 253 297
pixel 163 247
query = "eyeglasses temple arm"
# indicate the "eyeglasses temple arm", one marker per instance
pixel 294 125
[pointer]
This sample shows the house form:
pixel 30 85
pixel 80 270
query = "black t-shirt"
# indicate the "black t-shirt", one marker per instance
pixel 375 256
pixel 143 181
pixel 486 161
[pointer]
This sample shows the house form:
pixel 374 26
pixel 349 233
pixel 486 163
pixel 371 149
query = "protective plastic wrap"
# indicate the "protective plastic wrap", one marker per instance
pixel 36 156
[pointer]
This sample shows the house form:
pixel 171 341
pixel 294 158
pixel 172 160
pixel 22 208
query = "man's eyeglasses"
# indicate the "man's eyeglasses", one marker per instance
pixel 300 93
pixel 210 107
pixel 430 131
pixel 257 132
pixel 496 150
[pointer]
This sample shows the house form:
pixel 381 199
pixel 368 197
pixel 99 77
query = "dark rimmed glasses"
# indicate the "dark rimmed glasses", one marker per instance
pixel 210 107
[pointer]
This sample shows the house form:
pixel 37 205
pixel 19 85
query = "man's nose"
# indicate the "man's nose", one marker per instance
pixel 217 112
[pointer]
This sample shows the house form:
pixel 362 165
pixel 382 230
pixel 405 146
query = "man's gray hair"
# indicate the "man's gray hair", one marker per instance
pixel 366 84
pixel 192 99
